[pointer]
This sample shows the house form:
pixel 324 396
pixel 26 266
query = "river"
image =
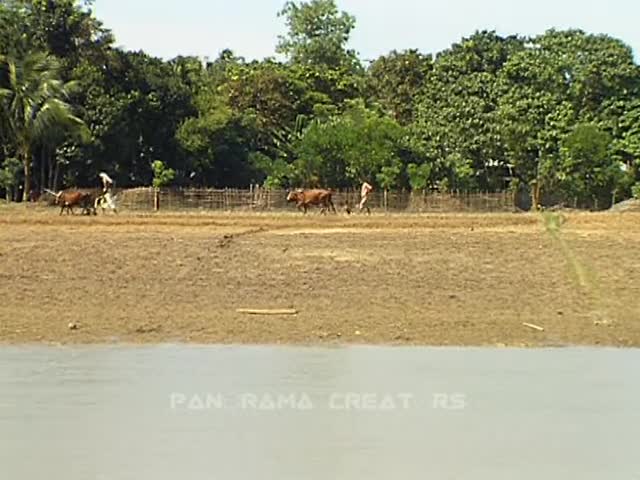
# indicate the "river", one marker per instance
pixel 245 412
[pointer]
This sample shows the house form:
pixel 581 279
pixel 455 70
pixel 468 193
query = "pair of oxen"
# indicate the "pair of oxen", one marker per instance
pixel 85 200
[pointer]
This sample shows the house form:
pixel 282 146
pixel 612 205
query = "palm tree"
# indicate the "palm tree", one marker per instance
pixel 33 104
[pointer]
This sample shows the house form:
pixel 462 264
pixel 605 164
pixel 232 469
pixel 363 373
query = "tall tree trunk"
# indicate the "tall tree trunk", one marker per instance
pixel 43 153
pixel 55 175
pixel 51 159
pixel 27 176
pixel 535 195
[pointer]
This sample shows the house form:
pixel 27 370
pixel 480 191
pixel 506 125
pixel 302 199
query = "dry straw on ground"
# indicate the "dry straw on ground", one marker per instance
pixel 437 279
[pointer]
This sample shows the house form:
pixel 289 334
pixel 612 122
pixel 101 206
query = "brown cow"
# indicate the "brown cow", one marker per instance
pixel 304 198
pixel 72 199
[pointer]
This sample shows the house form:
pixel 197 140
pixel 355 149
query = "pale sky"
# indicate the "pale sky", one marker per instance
pixel 167 28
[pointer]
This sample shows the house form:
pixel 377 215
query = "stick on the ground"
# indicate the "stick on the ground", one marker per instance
pixel 535 327
pixel 276 311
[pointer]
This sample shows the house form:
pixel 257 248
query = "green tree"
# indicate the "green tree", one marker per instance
pixel 33 102
pixel 623 116
pixel 456 127
pixel 134 104
pixel 317 34
pixel 217 143
pixel 266 94
pixel 68 30
pixel 561 79
pixel 586 169
pixel 276 173
pixel 419 175
pixel 15 29
pixel 348 148
pixel 395 80
pixel 9 175
pixel 389 175
pixel 275 101
pixel 162 175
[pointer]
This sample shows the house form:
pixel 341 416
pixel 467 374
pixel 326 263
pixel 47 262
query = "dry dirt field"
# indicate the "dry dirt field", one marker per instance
pixel 463 279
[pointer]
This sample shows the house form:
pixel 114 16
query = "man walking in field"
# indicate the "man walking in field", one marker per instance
pixel 365 190
pixel 107 185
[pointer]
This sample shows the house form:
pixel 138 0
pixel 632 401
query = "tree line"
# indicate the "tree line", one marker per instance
pixel 556 115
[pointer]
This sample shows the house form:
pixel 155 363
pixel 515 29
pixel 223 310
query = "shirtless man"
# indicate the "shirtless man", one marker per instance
pixel 364 195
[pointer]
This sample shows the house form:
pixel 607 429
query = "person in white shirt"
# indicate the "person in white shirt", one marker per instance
pixel 107 185
pixel 107 182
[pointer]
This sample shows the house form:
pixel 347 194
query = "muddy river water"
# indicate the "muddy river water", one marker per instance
pixel 244 412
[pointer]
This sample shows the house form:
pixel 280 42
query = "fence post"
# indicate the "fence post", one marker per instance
pixel 385 199
pixel 156 199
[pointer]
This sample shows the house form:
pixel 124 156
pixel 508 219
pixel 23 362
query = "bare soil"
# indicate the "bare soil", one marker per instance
pixel 451 279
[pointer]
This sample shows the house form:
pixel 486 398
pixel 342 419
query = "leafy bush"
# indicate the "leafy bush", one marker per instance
pixel 162 176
